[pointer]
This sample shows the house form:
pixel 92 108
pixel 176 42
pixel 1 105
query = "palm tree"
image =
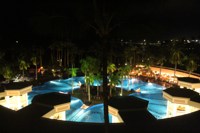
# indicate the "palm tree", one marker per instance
pixel 89 80
pixel 41 52
pixel 23 65
pixel 149 61
pixel 175 57
pixel 190 64
pixel 7 72
pixel 102 28
pixel 72 71
pixel 110 67
pixel 97 78
pixel 114 80
pixel 127 72
pixel 161 60
pixel 85 68
pixel 121 74
pixel 52 51
pixel 34 61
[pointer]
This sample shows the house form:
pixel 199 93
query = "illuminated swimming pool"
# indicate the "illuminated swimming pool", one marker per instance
pixel 149 91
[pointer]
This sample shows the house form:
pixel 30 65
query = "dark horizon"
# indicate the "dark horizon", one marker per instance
pixel 157 20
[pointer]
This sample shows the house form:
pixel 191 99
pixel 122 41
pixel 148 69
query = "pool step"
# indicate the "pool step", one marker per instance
pixel 79 117
pixel 75 117
pixel 69 117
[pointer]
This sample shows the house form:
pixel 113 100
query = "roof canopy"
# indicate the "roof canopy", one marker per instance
pixel 128 103
pixel 51 99
pixel 14 86
pixel 177 92
pixel 130 109
pixel 189 79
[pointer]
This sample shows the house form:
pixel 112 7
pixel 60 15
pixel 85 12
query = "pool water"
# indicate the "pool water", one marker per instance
pixel 149 91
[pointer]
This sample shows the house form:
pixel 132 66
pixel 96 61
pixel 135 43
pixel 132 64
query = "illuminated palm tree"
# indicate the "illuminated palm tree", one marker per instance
pixel 97 78
pixel 127 73
pixel 121 74
pixel 7 72
pixel 23 65
pixel 190 64
pixel 160 61
pixel 175 57
pixel 72 71
pixel 102 27
pixel 34 61
pixel 113 80
pixel 89 80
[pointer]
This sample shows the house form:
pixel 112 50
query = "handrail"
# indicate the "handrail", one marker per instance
pixel 195 74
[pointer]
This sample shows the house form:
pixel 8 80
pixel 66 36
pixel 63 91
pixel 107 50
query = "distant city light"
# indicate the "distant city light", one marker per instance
pixel 16 41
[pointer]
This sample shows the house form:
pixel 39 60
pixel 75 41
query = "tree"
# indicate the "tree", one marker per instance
pixel 175 56
pixel 113 80
pixel 149 61
pixel 72 71
pixel 97 78
pixel 190 64
pixel 121 74
pixel 89 80
pixel 7 72
pixel 102 28
pixel 85 64
pixel 23 65
pixel 160 61
pixel 41 52
pixel 127 72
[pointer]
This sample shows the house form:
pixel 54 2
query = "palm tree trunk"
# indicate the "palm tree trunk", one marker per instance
pixel 97 89
pixel 189 73
pixel 68 55
pixel 72 83
pixel 110 90
pixel 23 74
pixel 65 57
pixel 51 55
pixel 134 59
pixel 36 71
pixel 59 59
pixel 122 87
pixel 89 92
pixel 85 83
pixel 175 70
pixel 105 95
pixel 40 60
pixel 160 70
pixel 8 80
pixel 57 55
pixel 128 83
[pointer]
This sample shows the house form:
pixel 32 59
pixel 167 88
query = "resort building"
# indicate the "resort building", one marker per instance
pixel 129 109
pixel 189 83
pixel 15 95
pixel 51 105
pixel 181 101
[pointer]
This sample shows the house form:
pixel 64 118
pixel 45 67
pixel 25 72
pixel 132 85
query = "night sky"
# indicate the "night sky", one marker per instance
pixel 158 19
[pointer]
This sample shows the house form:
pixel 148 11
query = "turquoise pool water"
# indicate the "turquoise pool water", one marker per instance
pixel 149 91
